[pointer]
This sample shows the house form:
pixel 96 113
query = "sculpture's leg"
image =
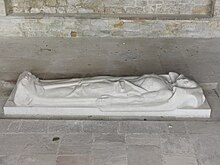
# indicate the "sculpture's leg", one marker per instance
pixel 51 84
pixel 148 98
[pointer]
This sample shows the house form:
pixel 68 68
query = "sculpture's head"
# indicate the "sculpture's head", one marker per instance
pixel 184 82
pixel 180 80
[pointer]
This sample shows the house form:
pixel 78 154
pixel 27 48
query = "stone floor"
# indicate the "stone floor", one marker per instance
pixel 50 142
pixel 79 142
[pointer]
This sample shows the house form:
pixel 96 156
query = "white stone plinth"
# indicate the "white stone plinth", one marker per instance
pixel 150 95
pixel 10 109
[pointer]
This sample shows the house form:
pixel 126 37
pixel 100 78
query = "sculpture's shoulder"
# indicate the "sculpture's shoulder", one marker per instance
pixel 192 97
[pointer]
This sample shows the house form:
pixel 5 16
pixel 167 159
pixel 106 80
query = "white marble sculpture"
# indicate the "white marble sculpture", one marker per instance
pixel 110 94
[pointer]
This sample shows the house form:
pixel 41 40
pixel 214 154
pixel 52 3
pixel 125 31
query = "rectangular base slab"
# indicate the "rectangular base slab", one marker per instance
pixel 89 112
pixel 10 109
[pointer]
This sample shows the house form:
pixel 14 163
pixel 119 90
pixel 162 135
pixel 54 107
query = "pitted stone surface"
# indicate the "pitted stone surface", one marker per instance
pixel 2 8
pixel 181 160
pixel 80 148
pixel 71 27
pixel 142 155
pixel 107 18
pixel 112 6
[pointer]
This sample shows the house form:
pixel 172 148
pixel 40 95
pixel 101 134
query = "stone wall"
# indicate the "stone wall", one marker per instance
pixel 2 8
pixel 112 6
pixel 85 25
pixel 216 9
pixel 72 27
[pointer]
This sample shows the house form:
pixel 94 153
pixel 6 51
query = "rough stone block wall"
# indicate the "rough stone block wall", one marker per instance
pixel 43 25
pixel 111 6
pixel 2 8
pixel 72 27
pixel 217 8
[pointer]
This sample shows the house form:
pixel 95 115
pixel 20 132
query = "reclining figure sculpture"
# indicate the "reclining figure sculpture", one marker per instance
pixel 149 92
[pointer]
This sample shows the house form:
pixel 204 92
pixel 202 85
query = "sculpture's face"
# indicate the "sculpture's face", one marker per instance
pixel 186 83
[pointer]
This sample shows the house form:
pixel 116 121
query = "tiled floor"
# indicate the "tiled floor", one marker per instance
pixel 50 142
pixel 79 142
